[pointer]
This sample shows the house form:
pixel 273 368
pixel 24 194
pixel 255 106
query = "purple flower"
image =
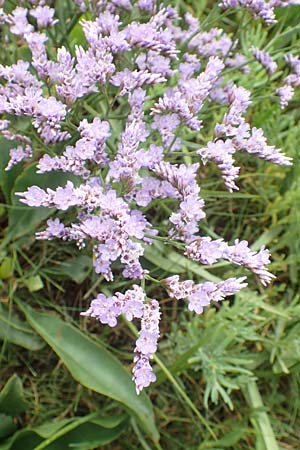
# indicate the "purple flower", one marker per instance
pixel 221 153
pixel 285 94
pixel 183 179
pixel 94 65
pixel 127 164
pixel 258 8
pixel 211 43
pixel 143 374
pixel 147 5
pixel 34 196
pixel 257 144
pixel 132 304
pixel 265 59
pixel 188 100
pixel 55 229
pixel 4 124
pixel 238 61
pixel 63 198
pixel 155 63
pixel 146 345
pixel 19 23
pixel 44 16
pixel 132 101
pixel 152 36
pixel 207 251
pixel 107 309
pixel 201 295
pixel 128 80
pixel 147 342
pixel 188 68
pixel 104 309
pixel 17 155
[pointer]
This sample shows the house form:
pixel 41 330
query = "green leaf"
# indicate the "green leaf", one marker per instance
pixel 260 419
pixel 18 332
pixel 7 426
pixel 289 354
pixel 76 36
pixel 23 219
pixel 230 440
pixel 92 365
pixel 12 398
pixel 34 283
pixel 77 268
pixel 6 268
pixel 233 437
pixel 173 262
pixel 7 178
pixel 82 433
pixel 192 266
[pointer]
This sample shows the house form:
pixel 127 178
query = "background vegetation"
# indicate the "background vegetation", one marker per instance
pixel 228 379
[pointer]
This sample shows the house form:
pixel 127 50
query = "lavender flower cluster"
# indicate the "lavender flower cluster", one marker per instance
pixel 153 73
pixel 260 8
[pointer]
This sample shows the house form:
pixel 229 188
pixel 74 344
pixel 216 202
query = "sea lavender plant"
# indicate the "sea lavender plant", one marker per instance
pixel 154 76
pixel 265 59
pixel 291 82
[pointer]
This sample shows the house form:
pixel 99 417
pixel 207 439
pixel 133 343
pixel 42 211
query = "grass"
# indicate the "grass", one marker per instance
pixel 228 379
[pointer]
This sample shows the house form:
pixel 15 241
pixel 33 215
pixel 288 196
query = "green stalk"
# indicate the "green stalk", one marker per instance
pixel 259 417
pixel 64 430
pixel 141 437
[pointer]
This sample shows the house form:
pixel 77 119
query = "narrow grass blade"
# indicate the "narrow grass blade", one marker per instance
pixel 260 418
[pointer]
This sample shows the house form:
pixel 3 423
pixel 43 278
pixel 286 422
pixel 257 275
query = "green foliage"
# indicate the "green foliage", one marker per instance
pixel 226 380
pixel 12 402
pixel 18 332
pixel 6 267
pixel 92 365
pixel 77 269
pixel 82 433
pixel 12 398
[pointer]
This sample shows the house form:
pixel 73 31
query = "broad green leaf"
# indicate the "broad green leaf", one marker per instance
pixel 12 398
pixel 18 332
pixel 77 268
pixel 92 365
pixel 82 433
pixel 6 268
pixel 23 219
pixel 76 36
pixel 7 426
